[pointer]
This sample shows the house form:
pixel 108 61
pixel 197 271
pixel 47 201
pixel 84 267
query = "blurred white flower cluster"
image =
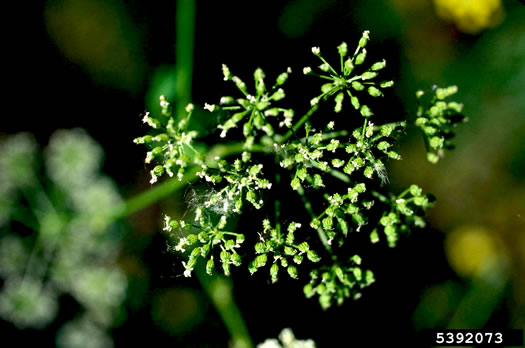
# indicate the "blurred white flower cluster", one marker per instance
pixel 55 237
pixel 287 340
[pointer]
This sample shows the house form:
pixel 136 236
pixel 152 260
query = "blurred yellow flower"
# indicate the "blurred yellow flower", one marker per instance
pixel 468 247
pixel 470 16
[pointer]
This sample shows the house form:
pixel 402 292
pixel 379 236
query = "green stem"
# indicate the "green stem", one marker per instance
pixel 364 129
pixel 164 189
pixel 148 197
pixel 404 193
pixel 299 123
pixel 221 299
pixel 184 39
pixel 331 135
pixel 40 205
pixel 277 206
pixel 308 207
pixel 381 197
pixel 219 290
pixel 325 62
pixel 336 174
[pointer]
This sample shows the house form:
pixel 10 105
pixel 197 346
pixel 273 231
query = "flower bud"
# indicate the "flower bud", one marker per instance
pixel 292 271
pixel 364 39
pixel 343 49
pixel 274 270
pixel 379 65
pixel 365 111
pixel 358 86
pixel 374 92
pixel 360 57
pixel 312 256
pixel 210 266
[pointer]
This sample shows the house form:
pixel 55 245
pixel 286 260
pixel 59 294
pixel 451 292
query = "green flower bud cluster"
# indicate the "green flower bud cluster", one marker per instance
pixel 346 81
pixel 171 146
pixel 363 152
pixel 211 243
pixel 437 119
pixel 253 111
pixel 368 147
pixel 243 183
pixel 407 211
pixel 343 209
pixel 338 282
pixel 287 253
pixel 302 157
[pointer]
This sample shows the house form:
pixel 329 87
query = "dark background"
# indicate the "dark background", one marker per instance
pixel 97 64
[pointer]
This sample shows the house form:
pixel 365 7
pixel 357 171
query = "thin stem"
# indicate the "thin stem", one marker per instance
pixel 364 129
pixel 277 205
pixel 331 135
pixel 395 124
pixel 299 123
pixel 324 61
pixel 336 174
pixel 322 76
pixel 403 194
pixel 379 196
pixel 308 207
pixel 40 206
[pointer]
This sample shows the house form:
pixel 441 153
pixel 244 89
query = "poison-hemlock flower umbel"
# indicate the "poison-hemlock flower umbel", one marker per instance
pixel 280 157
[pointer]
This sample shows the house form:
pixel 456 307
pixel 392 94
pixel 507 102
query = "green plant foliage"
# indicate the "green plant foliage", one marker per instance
pixel 348 168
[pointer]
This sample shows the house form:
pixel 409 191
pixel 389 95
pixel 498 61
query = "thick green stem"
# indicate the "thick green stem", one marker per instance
pixel 184 38
pixel 164 189
pixel 219 290
pixel 148 197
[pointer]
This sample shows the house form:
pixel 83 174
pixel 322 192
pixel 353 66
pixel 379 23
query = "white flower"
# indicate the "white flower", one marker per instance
pixel 209 107
pixel 307 70
pixel 316 50
pixel 189 107
pixel 167 226
pixel 153 178
pixel 181 244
